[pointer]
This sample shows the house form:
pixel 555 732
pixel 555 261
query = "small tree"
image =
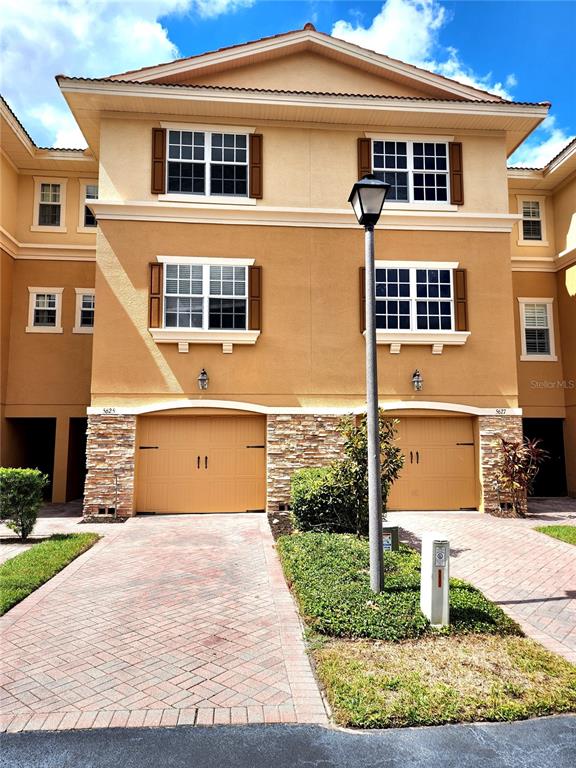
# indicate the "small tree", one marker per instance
pixel 354 468
pixel 20 498
pixel 518 468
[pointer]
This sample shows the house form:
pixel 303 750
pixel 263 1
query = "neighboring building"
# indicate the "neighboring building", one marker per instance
pixel 226 245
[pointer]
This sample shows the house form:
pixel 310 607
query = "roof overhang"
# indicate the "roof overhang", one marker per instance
pixel 559 169
pixel 90 99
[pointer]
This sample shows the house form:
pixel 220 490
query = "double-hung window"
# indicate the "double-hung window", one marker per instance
pixel 207 163
pixel 417 171
pixel 91 193
pixel 532 227
pixel 45 310
pixel 414 299
pixel 49 204
pixel 85 305
pixel 536 320
pixel 205 297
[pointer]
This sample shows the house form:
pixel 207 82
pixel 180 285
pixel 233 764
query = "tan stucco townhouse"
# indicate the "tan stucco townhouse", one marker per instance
pixel 204 238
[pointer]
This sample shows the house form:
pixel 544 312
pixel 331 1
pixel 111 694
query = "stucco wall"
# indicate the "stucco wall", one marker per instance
pixel 565 216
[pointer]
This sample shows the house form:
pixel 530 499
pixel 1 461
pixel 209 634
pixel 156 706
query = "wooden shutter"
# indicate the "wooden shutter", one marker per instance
pixel 158 186
pixel 255 298
pixel 364 157
pixel 155 296
pixel 362 287
pixel 460 300
pixel 456 176
pixel 256 180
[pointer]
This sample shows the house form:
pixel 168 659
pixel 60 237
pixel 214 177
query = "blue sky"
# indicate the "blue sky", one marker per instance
pixel 522 50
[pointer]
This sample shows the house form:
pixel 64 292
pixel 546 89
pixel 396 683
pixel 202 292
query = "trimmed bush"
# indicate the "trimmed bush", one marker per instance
pixel 320 501
pixel 20 498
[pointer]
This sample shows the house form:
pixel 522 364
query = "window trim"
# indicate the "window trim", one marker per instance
pixel 32 293
pixel 410 139
pixel 549 302
pixel 80 292
pixel 541 200
pixel 182 197
pixel 81 228
pixel 437 339
pixel 38 181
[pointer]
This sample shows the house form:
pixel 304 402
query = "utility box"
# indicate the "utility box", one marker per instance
pixel 435 580
pixel 390 540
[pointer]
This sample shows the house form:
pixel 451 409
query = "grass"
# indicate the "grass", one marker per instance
pixel 383 666
pixel 330 578
pixel 23 574
pixel 565 533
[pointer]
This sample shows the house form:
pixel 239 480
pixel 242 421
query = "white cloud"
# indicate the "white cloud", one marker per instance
pixel 409 30
pixel 544 144
pixel 90 38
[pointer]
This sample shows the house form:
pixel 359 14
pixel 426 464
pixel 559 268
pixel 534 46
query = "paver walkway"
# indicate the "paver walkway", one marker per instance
pixel 167 620
pixel 530 575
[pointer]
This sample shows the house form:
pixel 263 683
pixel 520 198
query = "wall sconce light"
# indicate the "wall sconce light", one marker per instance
pixel 417 380
pixel 203 379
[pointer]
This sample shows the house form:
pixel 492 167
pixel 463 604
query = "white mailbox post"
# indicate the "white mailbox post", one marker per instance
pixel 434 579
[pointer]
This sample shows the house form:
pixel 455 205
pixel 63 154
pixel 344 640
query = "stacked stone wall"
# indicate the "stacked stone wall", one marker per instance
pixel 294 442
pixel 491 429
pixel 110 464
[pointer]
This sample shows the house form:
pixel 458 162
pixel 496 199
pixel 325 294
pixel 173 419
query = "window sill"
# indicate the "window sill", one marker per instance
pixel 43 329
pixel 86 230
pixel 83 330
pixel 538 243
pixel 419 206
pixel 436 339
pixel 183 338
pixel 539 358
pixel 206 199
pixel 43 228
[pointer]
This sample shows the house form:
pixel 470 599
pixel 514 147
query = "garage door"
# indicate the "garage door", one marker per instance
pixel 201 464
pixel 439 464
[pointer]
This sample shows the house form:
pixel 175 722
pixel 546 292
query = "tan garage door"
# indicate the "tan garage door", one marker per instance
pixel 439 464
pixel 201 464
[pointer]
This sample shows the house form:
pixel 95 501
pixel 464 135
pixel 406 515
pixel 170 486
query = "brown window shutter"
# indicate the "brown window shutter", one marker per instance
pixel 158 161
pixel 255 298
pixel 364 157
pixel 362 299
pixel 456 176
pixel 155 296
pixel 256 181
pixel 461 300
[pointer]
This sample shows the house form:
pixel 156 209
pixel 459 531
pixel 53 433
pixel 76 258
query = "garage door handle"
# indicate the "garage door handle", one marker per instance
pixel 205 462
pixel 464 443
pixel 417 457
pixel 411 458
pixel 255 446
pixel 198 462
pixel 147 447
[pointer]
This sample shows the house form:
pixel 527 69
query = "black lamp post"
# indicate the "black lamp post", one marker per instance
pixel 367 198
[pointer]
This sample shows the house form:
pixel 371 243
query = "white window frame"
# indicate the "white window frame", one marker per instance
pixel 437 339
pixel 38 181
pixel 183 337
pixel 541 200
pixel 57 327
pixel 207 198
pixel 78 328
pixel 549 302
pixel 82 228
pixel 412 204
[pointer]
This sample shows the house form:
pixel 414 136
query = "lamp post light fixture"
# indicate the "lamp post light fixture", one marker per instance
pixel 417 380
pixel 203 379
pixel 367 198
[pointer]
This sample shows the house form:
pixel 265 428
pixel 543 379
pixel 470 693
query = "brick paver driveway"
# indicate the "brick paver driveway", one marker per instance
pixel 167 620
pixel 530 575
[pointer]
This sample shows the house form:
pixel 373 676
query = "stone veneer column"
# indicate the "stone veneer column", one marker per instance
pixel 491 429
pixel 110 454
pixel 295 442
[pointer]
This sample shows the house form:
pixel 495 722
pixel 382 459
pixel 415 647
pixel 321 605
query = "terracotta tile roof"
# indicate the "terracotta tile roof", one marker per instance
pixel 239 89
pixel 565 148
pixel 30 139
pixel 308 27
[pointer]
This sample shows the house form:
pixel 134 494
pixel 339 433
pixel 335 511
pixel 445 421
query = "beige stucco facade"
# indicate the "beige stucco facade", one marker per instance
pixel 303 367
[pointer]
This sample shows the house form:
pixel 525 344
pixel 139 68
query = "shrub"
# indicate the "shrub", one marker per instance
pixel 335 498
pixel 20 498
pixel 519 465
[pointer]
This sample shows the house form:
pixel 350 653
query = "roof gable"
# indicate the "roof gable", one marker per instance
pixel 220 67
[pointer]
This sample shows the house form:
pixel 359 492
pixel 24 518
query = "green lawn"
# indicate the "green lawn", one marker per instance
pixel 565 533
pixel 24 573
pixel 381 663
